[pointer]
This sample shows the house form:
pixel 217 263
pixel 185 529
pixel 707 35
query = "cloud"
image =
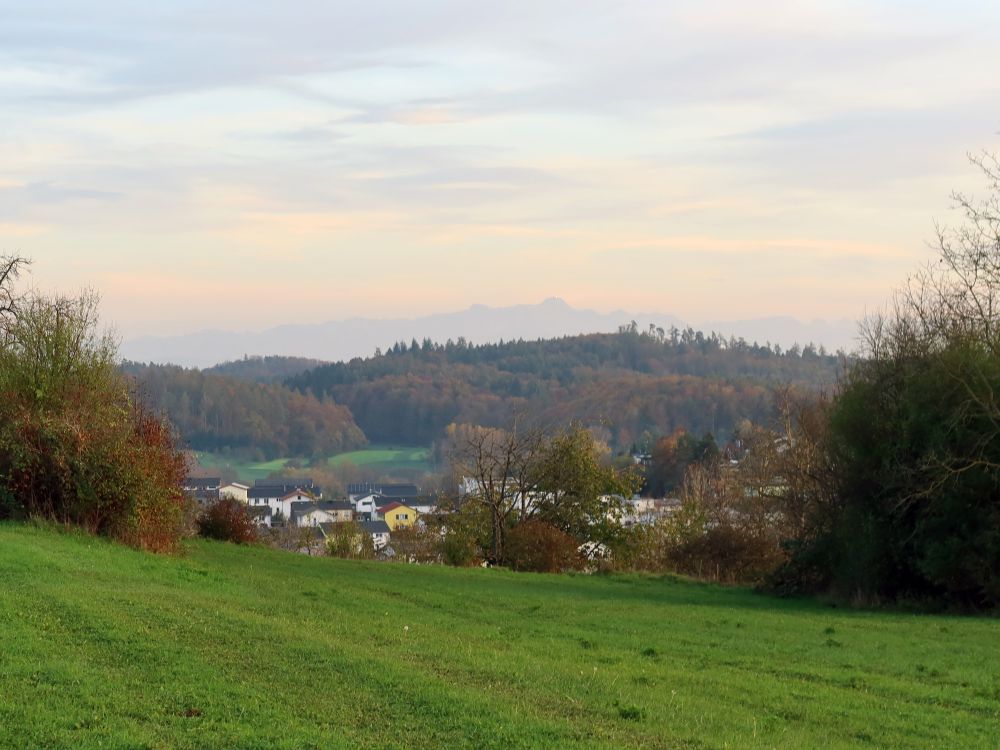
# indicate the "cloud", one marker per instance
pixel 559 143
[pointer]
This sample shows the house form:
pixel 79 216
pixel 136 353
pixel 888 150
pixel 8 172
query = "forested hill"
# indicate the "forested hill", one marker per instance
pixel 265 369
pixel 631 381
pixel 219 413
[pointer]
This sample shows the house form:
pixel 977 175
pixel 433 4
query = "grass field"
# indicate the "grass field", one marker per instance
pixel 387 459
pixel 379 460
pixel 227 647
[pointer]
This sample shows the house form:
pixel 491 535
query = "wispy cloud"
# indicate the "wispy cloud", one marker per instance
pixel 720 156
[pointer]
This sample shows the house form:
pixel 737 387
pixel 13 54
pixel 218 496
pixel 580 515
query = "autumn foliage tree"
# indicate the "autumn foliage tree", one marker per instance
pixel 560 478
pixel 76 445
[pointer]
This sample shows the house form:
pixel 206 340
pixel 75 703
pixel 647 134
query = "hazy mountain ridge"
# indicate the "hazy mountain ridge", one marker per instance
pixel 359 337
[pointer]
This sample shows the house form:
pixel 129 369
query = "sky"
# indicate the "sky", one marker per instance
pixel 245 164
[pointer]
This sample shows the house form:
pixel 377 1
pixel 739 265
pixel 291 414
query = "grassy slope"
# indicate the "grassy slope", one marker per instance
pixel 379 460
pixel 230 647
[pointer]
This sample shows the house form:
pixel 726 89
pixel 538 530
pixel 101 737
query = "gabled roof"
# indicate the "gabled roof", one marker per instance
pixel 389 490
pixel 295 492
pixel 285 482
pixel 392 506
pixel 400 490
pixel 202 483
pixel 425 500
pixel 236 484
pixel 335 505
pixel 375 527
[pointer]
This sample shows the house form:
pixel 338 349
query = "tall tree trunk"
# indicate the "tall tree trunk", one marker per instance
pixel 498 536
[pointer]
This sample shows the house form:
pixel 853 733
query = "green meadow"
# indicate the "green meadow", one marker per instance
pixel 387 459
pixel 229 647
pixel 378 460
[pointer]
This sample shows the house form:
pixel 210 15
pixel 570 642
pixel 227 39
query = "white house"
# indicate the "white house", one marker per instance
pixel 284 504
pixel 423 505
pixel 379 531
pixel 260 515
pixel 366 506
pixel 316 514
pixel 235 490
pixel 278 499
pixel 399 492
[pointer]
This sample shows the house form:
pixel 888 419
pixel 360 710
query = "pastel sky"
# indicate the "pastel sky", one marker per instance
pixel 244 164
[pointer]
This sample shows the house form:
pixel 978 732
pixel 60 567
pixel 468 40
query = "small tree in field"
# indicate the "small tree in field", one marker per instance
pixel 559 477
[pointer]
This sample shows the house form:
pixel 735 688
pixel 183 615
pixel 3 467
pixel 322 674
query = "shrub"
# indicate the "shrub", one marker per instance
pixel 542 548
pixel 460 550
pixel 417 544
pixel 349 540
pixel 228 521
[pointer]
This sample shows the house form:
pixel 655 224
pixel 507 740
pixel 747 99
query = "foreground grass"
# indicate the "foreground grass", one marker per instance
pixel 379 460
pixel 254 648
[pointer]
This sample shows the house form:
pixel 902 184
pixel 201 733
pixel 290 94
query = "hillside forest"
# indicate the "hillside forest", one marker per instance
pixel 213 412
pixel 635 386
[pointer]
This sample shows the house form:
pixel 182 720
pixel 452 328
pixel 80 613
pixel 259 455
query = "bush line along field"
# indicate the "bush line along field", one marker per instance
pixel 254 648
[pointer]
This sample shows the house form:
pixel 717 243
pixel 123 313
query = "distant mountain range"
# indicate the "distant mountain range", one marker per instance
pixel 359 337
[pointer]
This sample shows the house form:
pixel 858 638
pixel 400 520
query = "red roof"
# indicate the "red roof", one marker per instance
pixel 393 506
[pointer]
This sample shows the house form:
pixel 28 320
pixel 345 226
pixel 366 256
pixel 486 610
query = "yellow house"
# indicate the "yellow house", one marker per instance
pixel 397 515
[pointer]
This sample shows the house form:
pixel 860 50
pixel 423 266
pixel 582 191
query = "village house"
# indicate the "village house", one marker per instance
pixel 316 514
pixel 397 516
pixel 279 498
pixel 379 531
pixel 261 515
pixel 366 506
pixel 205 490
pixel 398 492
pixel 235 490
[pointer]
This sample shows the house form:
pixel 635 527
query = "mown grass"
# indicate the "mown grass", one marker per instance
pixel 107 647
pixel 379 460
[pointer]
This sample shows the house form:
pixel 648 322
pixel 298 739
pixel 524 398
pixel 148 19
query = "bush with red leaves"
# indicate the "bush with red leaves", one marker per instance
pixel 228 521
pixel 542 548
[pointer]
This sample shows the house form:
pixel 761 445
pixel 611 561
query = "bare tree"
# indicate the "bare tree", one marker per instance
pixel 954 301
pixel 499 466
pixel 10 268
